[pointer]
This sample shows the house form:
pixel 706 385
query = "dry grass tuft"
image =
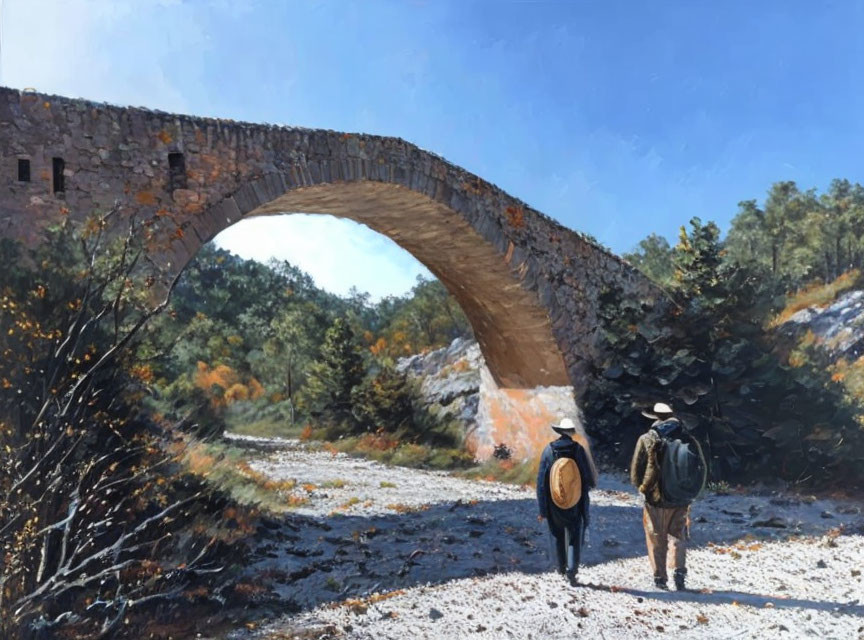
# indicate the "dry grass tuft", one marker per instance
pixel 399 507
pixel 520 473
pixel 817 294
pixel 226 468
pixel 337 483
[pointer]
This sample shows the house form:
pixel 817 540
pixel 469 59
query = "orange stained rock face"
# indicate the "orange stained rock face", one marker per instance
pixel 519 418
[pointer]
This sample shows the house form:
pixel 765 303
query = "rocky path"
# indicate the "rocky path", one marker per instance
pixel 388 552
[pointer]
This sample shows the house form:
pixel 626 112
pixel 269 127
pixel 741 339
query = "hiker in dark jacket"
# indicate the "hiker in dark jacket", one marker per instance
pixel 665 523
pixel 566 526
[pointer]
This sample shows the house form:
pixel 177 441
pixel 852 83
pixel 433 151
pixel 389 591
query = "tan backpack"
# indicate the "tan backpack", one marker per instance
pixel 565 483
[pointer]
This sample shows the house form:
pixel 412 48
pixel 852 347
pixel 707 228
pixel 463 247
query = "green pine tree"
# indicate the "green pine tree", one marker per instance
pixel 383 402
pixel 653 257
pixel 334 375
pixel 697 259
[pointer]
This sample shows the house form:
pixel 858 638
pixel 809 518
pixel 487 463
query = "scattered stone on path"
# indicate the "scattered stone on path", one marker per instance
pixel 774 522
pixel 374 545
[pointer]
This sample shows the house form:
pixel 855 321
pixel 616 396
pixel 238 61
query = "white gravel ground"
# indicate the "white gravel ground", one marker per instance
pixel 442 557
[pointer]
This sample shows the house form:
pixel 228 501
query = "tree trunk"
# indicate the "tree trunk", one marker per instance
pixel 291 389
pixel 838 268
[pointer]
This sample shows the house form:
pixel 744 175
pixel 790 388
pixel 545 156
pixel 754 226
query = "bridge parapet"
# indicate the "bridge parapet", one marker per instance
pixel 528 285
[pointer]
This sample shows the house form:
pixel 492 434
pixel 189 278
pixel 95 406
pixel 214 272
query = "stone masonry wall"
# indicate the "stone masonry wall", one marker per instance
pixel 528 284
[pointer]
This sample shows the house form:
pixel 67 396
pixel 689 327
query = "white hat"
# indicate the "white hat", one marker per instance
pixel 660 409
pixel 565 426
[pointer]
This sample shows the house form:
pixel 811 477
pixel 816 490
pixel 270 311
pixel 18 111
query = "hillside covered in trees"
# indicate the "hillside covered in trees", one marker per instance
pixel 766 402
pixel 794 237
pixel 244 343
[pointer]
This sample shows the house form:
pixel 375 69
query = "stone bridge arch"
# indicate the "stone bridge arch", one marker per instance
pixel 510 324
pixel 528 285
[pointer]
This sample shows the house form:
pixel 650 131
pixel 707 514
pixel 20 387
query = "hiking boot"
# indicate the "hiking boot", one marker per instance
pixel 680 575
pixel 660 583
pixel 571 578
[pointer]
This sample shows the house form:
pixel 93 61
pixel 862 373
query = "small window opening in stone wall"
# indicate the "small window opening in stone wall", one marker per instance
pixel 59 166
pixel 176 171
pixel 23 170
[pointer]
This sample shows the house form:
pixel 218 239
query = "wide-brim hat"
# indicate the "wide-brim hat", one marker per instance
pixel 661 410
pixel 566 427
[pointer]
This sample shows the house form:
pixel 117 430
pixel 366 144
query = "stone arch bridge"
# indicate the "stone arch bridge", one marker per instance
pixel 528 285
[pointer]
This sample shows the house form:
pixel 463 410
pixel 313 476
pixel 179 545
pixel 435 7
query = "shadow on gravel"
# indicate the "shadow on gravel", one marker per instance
pixel 738 598
pixel 308 561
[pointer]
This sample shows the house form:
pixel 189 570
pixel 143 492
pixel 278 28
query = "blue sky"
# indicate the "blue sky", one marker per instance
pixel 616 118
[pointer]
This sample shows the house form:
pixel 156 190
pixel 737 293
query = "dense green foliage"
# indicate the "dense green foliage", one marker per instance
pixel 795 236
pixel 383 401
pixel 246 343
pixel 653 257
pixel 801 235
pixel 711 350
pixel 334 376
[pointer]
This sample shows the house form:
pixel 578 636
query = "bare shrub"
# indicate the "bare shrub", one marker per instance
pixel 98 522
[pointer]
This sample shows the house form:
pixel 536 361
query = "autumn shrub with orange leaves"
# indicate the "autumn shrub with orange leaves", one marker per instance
pixel 100 527
pixel 225 386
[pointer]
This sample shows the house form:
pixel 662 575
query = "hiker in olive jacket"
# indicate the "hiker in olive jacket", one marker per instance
pixel 666 524
pixel 566 526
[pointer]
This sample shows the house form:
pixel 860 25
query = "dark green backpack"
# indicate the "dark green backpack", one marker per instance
pixel 682 472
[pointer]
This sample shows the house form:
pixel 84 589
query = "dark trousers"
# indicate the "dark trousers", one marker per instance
pixel 567 540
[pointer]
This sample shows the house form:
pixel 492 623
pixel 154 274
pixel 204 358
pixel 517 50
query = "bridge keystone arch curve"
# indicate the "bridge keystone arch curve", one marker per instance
pixel 528 285
pixel 511 327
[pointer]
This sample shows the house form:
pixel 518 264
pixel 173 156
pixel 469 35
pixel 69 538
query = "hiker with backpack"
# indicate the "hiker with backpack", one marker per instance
pixel 669 469
pixel 565 476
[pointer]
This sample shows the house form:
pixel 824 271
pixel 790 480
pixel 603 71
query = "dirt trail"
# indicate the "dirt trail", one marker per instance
pixel 389 552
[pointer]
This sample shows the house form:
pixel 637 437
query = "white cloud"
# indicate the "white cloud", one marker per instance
pixel 336 252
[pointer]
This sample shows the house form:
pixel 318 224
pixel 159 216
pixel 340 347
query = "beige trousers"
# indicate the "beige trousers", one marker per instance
pixel 666 527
